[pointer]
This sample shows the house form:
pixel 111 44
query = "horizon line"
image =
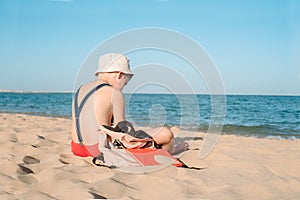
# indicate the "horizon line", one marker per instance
pixel 68 91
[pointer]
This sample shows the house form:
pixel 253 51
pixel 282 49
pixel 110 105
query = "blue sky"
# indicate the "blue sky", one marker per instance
pixel 255 44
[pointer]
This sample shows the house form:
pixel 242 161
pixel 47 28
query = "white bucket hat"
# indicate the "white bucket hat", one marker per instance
pixel 113 62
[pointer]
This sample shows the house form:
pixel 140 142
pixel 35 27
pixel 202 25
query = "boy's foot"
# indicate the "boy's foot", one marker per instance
pixel 181 147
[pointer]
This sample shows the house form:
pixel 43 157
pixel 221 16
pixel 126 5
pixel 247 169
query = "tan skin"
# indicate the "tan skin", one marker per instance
pixel 109 101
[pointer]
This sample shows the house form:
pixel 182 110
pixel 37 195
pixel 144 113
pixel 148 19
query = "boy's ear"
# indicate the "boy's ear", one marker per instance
pixel 120 75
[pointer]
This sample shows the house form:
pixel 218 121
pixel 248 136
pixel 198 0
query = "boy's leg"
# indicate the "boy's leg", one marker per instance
pixel 163 136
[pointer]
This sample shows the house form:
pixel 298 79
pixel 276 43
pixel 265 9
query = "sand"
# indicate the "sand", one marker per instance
pixel 37 164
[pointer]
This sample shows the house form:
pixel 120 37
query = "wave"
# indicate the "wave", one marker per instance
pixel 260 131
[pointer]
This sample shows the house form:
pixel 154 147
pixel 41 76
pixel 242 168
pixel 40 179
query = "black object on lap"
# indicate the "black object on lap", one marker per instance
pixel 127 127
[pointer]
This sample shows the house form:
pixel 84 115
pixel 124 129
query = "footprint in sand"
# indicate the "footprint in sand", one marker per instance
pixel 97 196
pixel 74 160
pixel 4 118
pixel 43 143
pixel 30 160
pixel 21 117
pixel 41 137
pixel 28 179
pixel 24 170
pixel 12 138
pixel 17 130
pixel 25 173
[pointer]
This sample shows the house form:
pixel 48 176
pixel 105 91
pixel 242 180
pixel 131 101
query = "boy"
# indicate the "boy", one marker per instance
pixel 106 107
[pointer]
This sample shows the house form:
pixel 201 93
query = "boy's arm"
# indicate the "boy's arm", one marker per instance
pixel 118 106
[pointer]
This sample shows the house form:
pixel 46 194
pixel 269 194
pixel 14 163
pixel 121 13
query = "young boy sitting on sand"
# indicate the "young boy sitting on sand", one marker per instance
pixel 106 107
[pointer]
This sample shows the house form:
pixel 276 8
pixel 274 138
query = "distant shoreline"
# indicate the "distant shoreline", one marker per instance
pixel 70 92
pixel 33 91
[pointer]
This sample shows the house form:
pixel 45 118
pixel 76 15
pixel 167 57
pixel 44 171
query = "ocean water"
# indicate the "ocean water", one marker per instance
pixel 250 115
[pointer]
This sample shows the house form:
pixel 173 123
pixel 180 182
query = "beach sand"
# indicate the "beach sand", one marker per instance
pixel 36 163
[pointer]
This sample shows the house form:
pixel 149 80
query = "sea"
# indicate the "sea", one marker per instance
pixel 276 117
